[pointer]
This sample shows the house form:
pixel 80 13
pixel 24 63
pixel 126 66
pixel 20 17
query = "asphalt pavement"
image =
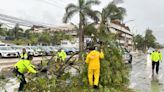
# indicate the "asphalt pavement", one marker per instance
pixel 141 79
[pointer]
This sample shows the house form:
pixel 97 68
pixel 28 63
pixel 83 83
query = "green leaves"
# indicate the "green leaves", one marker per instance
pixel 149 40
pixel 112 12
pixel 41 84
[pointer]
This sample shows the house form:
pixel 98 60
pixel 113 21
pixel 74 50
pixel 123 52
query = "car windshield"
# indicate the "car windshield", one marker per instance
pixel 28 48
pixel 5 48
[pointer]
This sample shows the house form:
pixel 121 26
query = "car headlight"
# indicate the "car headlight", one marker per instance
pixel 4 53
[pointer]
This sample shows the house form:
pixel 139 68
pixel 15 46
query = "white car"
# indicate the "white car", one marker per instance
pixel 19 49
pixel 29 50
pixel 6 51
pixel 36 50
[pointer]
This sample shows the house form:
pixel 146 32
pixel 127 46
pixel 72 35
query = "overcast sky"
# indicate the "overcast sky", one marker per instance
pixel 145 13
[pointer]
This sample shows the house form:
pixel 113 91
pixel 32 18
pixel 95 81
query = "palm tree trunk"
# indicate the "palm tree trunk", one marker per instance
pixel 81 34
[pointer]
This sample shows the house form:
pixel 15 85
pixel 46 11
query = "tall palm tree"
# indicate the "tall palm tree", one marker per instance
pixel 84 10
pixel 108 13
pixel 16 31
pixel 112 12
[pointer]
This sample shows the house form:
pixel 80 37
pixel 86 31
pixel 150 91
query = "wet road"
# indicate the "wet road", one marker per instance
pixel 141 79
pixel 140 75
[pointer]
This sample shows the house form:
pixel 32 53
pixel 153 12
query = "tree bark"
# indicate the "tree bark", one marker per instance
pixel 81 35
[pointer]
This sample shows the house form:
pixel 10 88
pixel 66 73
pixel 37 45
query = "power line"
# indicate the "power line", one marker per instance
pixel 20 21
pixel 50 3
pixel 29 23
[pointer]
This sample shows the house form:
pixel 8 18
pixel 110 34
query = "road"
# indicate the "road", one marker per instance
pixel 141 78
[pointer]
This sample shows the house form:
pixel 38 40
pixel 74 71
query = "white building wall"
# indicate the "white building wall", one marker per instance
pixel 126 36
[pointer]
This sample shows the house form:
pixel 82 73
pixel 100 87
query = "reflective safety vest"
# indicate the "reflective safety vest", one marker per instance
pixel 155 56
pixel 160 56
pixel 24 66
pixel 23 56
pixel 62 55
pixel 93 59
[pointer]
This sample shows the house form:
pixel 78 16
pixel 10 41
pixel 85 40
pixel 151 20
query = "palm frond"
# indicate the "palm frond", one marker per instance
pixel 92 14
pixel 112 12
pixel 122 10
pixel 71 7
pixel 68 15
pixel 92 2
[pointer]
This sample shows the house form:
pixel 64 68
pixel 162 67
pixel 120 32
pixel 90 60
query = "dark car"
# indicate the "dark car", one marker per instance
pixel 127 56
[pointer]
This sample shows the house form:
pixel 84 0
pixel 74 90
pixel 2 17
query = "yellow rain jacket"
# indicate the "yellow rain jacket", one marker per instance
pixel 93 59
pixel 155 56
pixel 24 66
pixel 62 55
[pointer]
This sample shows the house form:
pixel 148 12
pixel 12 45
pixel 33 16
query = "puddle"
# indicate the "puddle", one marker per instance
pixel 155 85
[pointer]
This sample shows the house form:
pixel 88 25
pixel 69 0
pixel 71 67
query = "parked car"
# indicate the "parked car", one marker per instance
pixel 19 49
pixel 6 51
pixel 33 50
pixel 29 50
pixel 69 51
pixel 47 50
pixel 127 56
pixel 40 50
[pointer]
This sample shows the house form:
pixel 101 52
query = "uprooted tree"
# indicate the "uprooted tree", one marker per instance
pixel 56 75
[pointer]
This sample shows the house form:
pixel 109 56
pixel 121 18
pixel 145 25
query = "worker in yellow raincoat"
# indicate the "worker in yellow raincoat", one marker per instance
pixel 22 67
pixel 93 61
pixel 156 58
pixel 24 54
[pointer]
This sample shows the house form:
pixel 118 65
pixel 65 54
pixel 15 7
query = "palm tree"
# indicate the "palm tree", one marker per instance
pixel 112 12
pixel 84 10
pixel 108 13
pixel 2 31
pixel 16 31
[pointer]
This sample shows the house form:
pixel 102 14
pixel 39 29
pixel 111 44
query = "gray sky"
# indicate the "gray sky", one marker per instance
pixel 145 13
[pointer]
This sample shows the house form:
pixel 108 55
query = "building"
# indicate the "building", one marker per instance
pixel 125 36
pixel 67 28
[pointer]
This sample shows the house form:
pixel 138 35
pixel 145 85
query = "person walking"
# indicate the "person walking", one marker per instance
pixel 93 61
pixel 22 67
pixel 156 57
